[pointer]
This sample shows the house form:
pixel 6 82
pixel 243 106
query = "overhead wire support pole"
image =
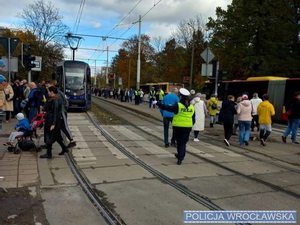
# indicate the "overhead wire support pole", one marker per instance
pixel 106 71
pixel 138 74
pixel 8 61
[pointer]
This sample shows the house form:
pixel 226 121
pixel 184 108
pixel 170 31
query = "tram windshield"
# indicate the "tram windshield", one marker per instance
pixel 75 79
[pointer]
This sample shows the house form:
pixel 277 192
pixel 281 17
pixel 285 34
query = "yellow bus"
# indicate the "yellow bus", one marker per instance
pixel 165 86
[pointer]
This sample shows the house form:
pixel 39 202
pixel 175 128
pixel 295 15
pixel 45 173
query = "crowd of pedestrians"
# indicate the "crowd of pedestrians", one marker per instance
pixel 190 109
pixel 184 109
pixel 26 100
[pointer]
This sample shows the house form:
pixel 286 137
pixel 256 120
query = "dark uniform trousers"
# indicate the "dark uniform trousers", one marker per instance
pixel 182 136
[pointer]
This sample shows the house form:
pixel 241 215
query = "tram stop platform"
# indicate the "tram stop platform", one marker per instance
pixel 40 191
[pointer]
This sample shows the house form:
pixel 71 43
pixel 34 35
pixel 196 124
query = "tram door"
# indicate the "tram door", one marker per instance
pixel 276 91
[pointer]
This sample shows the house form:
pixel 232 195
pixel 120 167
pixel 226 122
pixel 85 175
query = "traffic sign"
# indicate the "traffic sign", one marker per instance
pixel 13 64
pixel 207 55
pixel 207 69
pixel 38 63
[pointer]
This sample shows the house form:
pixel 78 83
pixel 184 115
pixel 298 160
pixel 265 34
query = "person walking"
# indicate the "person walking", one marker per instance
pixel 64 125
pixel 265 111
pixel 183 120
pixel 244 110
pixel 53 121
pixel 226 116
pixel 255 101
pixel 170 99
pixel 160 94
pixel 293 119
pixel 200 113
pixel 152 98
pixel 212 106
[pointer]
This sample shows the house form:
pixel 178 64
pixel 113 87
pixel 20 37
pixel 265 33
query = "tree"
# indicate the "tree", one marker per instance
pixel 127 57
pixel 189 35
pixel 43 20
pixel 256 38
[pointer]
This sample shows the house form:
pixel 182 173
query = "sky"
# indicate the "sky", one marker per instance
pixel 115 18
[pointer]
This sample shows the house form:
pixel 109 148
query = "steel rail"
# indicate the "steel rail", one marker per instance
pixel 272 186
pixel 109 216
pixel 203 200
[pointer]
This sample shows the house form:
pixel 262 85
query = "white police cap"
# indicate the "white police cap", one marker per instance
pixel 184 92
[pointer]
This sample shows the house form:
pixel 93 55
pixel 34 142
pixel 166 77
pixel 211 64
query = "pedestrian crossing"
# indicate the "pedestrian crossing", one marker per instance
pixel 85 156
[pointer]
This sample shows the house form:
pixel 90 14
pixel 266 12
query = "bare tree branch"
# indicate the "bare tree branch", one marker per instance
pixel 44 21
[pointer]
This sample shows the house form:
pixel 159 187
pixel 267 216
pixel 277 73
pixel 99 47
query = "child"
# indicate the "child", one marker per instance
pixel 21 127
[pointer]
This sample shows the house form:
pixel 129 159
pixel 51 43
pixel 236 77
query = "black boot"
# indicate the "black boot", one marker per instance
pixel 211 125
pixel 48 155
pixel 179 162
pixel 63 152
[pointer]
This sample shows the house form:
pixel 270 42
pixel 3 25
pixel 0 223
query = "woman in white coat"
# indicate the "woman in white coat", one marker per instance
pixel 200 113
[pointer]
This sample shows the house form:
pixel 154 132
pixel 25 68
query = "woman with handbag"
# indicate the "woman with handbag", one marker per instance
pixel 8 103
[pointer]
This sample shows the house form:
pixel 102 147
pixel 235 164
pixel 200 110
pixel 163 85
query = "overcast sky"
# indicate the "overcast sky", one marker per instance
pixel 99 17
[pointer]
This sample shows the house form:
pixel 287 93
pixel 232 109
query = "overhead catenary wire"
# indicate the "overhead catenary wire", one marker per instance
pixel 118 24
pixel 154 5
pixel 78 17
pixel 134 7
pixel 133 23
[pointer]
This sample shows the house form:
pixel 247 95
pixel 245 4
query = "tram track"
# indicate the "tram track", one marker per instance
pixel 203 200
pixel 92 194
pixel 151 120
pixel 110 217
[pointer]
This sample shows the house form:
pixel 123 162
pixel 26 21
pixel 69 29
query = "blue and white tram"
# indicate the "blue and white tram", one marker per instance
pixel 74 79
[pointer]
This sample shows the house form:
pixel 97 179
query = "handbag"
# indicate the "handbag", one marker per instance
pixel 7 97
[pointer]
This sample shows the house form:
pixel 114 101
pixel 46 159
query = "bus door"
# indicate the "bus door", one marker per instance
pixel 276 90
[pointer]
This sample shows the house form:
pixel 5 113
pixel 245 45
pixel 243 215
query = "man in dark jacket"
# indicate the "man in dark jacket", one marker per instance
pixel 53 121
pixel 226 116
pixel 294 119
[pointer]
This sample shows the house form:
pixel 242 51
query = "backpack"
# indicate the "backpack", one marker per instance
pixel 214 106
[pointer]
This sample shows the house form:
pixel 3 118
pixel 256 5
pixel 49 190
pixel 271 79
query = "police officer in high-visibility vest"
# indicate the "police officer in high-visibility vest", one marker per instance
pixel 136 97
pixel 183 120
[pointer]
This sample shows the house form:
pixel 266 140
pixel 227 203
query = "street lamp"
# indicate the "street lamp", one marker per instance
pixel 73 42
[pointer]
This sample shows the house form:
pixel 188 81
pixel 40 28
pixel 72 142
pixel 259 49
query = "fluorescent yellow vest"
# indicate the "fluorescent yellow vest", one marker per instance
pixel 184 116
pixel 161 95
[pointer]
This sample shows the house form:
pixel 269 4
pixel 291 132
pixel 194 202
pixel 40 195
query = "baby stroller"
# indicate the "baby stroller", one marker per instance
pixel 25 141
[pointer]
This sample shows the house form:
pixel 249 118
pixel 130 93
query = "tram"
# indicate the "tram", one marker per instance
pixel 165 86
pixel 74 79
pixel 280 90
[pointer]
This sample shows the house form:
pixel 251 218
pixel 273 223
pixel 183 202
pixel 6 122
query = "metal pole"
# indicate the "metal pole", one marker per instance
pixel 114 80
pixel 95 83
pixel 73 54
pixel 206 70
pixel 138 74
pixel 129 72
pixel 192 62
pixel 29 76
pixel 106 71
pixel 8 61
pixel 217 76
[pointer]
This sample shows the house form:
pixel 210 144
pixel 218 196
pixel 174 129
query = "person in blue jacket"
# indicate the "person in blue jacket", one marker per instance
pixel 170 100
pixel 21 127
